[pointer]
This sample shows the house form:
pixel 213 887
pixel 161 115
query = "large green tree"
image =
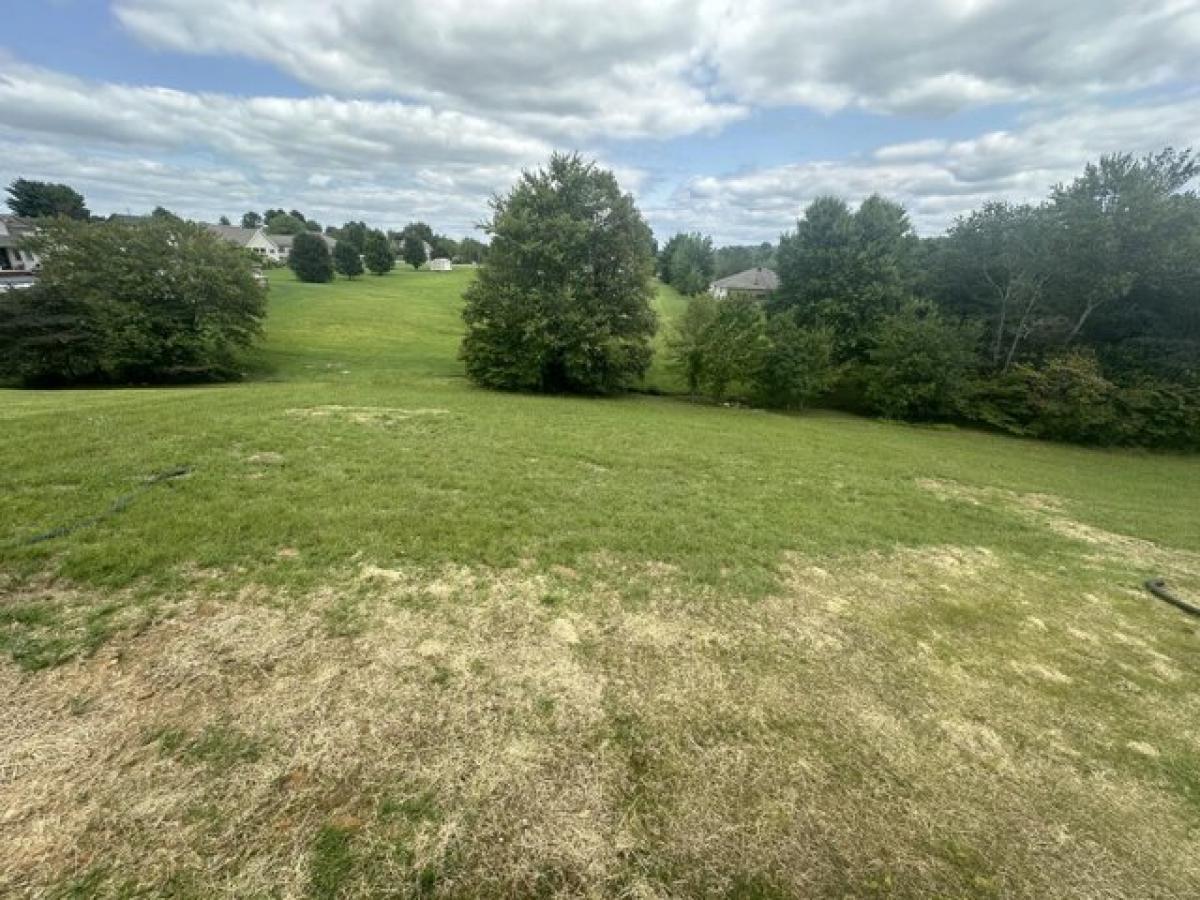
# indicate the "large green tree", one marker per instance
pixel 355 234
pixel 251 220
pixel 845 270
pixel 310 258
pixel 412 251
pixel 993 266
pixel 279 222
pixel 1125 224
pixel 37 199
pixel 689 263
pixel 377 250
pixel 563 301
pixel 346 259
pixel 159 300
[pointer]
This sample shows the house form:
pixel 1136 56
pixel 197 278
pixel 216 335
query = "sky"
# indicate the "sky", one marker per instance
pixel 721 116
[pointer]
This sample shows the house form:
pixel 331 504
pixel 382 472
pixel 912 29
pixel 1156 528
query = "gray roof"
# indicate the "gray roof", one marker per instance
pixel 755 280
pixel 14 229
pixel 284 241
pixel 233 234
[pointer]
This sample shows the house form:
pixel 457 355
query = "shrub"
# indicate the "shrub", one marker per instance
pixel 688 346
pixel 798 366
pixel 158 301
pixel 721 345
pixel 1068 398
pixel 919 364
pixel 563 301
pixel 347 260
pixel 310 258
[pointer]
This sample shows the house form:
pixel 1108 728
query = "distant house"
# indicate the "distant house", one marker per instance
pixel 255 240
pixel 441 264
pixel 284 243
pixel 18 266
pixel 753 282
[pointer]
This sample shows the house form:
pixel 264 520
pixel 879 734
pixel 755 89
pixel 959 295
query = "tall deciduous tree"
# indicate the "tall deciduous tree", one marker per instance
pixel 279 222
pixel 689 263
pixel 1118 226
pixel 994 265
pixel 846 270
pixel 251 220
pixel 355 234
pixel 45 199
pixel 563 302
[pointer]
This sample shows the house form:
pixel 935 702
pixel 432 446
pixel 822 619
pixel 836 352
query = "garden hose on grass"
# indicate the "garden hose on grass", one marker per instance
pixel 118 505
pixel 1158 587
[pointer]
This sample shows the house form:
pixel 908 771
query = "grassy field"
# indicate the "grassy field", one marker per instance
pixel 392 635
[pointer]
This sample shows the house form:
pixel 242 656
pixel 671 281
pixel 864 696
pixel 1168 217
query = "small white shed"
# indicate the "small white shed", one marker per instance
pixel 441 264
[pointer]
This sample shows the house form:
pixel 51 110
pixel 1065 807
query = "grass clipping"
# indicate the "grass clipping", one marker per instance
pixel 925 721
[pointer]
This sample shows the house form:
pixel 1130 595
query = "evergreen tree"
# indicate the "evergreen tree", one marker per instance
pixel 413 251
pixel 380 257
pixel 310 258
pixel 346 259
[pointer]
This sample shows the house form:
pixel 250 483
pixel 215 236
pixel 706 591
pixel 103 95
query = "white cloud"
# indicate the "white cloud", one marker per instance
pixel 936 180
pixel 630 68
pixel 565 68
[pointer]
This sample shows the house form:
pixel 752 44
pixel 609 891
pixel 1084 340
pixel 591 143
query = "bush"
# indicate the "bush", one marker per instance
pixel 689 344
pixel 798 366
pixel 919 364
pixel 160 301
pixel 563 301
pixel 310 258
pixel 346 259
pixel 1068 398
pixel 721 345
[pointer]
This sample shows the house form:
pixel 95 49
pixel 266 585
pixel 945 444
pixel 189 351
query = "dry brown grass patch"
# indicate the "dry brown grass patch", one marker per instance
pixel 472 739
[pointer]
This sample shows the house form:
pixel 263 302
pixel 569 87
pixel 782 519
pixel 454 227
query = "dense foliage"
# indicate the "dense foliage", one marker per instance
pixel 310 258
pixel 346 259
pixel 1075 319
pixel 686 263
pixel 412 251
pixel 159 301
pixel 563 301
pixel 41 199
pixel 733 259
pixel 378 253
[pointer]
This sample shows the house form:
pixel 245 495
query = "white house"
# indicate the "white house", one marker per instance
pixel 441 264
pixel 255 240
pixel 283 243
pixel 18 266
pixel 753 282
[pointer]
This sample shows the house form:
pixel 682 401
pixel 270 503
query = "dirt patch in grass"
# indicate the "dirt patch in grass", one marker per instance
pixel 366 415
pixel 883 724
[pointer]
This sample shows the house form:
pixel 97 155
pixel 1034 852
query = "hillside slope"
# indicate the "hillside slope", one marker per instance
pixel 395 633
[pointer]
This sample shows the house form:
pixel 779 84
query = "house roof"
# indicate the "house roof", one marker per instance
pixel 759 280
pixel 233 234
pixel 284 241
pixel 13 229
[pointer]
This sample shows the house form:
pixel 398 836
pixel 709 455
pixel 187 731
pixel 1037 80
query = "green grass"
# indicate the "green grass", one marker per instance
pixel 621 645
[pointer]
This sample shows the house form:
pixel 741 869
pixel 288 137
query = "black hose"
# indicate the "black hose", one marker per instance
pixel 1158 587
pixel 115 507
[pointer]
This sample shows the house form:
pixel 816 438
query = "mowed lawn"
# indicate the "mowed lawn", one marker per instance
pixel 393 635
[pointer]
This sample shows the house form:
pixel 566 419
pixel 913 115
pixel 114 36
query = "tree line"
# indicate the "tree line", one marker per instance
pixel 1075 318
